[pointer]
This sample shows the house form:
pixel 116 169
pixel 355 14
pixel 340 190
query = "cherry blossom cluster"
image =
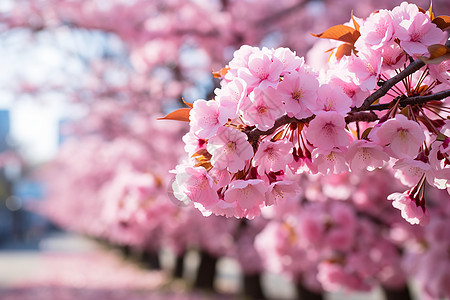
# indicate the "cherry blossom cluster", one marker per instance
pixel 380 101
pixel 340 221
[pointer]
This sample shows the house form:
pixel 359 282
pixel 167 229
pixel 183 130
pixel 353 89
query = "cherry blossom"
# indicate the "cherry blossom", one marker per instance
pixel 363 154
pixel 229 149
pixel 327 131
pixel 378 29
pixel 402 136
pixel 206 118
pixel 262 108
pixel 272 156
pixel 194 184
pixel 247 196
pixel 414 29
pixel 412 211
pixel 331 99
pixel 262 71
pixel 297 90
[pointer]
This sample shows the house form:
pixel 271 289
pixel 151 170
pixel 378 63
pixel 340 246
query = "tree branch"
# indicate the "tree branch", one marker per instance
pixel 360 113
pixel 388 84
pixel 253 133
pixel 281 14
pixel 414 100
pixel 363 116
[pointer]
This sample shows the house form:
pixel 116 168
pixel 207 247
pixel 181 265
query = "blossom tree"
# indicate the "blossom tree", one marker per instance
pixel 274 116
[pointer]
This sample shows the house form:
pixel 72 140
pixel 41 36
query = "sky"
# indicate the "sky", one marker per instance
pixel 28 63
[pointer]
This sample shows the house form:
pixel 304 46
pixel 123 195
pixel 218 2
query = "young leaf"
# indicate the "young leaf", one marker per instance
pixel 430 10
pixel 344 49
pixel 181 114
pixel 187 103
pixel 221 73
pixel 443 22
pixel 366 132
pixel 341 33
pixel 438 53
pixel 354 22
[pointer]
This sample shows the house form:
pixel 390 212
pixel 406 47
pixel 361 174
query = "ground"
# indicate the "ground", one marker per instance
pixel 69 267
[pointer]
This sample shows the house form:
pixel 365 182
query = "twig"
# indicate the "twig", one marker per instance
pixel 253 134
pixel 363 116
pixel 388 84
pixel 414 100
pixel 280 14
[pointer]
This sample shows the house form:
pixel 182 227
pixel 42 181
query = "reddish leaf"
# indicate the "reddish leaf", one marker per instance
pixel 188 104
pixel 341 33
pixel 344 49
pixel 181 114
pixel 354 22
pixel 430 10
pixel 438 53
pixel 441 137
pixel 366 132
pixel 220 73
pixel 277 136
pixel 443 22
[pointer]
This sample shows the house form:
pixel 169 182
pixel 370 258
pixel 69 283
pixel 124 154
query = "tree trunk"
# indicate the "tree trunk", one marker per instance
pixel 252 286
pixel 206 271
pixel 179 266
pixel 305 294
pixel 397 294
pixel 151 260
pixel 125 250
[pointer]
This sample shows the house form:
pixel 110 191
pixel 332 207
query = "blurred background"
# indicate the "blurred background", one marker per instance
pixel 85 204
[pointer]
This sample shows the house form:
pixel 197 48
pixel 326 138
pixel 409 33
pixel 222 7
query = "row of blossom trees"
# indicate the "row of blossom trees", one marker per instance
pixel 275 125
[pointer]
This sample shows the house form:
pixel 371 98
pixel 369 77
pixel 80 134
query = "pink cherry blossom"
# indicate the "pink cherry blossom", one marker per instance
pixel 366 67
pixel 365 155
pixel 279 191
pixel 229 149
pixel 409 171
pixel 263 71
pixel 262 108
pixel 272 156
pixel 439 164
pixel 334 276
pixel 297 90
pixel 330 98
pixel 441 71
pixel 248 195
pixel 411 211
pixel 329 161
pixel 241 56
pixel 230 96
pixel 393 56
pixel 342 79
pixel 415 30
pixel 377 29
pixel 327 131
pixel 194 184
pixel 193 143
pixel 205 118
pixel 289 60
pixel 402 136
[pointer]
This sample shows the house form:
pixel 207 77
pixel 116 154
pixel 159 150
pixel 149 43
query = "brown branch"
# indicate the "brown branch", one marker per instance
pixel 253 133
pixel 363 116
pixel 413 100
pixel 388 84
pixel 281 14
